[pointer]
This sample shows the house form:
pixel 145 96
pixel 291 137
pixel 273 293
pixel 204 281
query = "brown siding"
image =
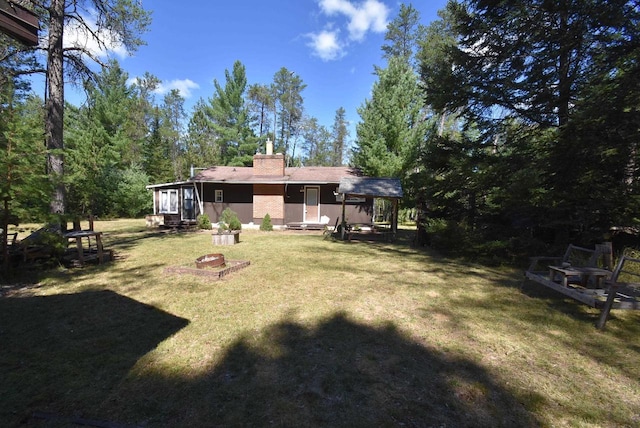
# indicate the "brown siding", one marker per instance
pixel 329 206
pixel 237 197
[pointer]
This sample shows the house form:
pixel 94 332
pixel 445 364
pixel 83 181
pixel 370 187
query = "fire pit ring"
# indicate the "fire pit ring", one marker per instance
pixel 210 261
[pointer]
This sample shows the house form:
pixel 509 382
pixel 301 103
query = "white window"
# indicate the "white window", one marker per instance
pixel 219 196
pixel 169 201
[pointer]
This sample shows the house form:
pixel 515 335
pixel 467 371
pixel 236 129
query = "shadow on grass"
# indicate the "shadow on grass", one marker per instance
pixel 64 353
pixel 339 374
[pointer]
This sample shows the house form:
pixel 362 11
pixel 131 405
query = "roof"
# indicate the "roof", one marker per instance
pixel 298 175
pixel 369 186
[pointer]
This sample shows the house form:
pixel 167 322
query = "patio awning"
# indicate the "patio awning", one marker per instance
pixel 373 187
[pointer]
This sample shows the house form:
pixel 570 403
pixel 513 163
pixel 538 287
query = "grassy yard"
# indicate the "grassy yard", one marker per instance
pixel 312 333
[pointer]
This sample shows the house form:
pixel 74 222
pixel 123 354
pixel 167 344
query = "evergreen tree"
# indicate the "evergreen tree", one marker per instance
pixel 201 147
pixel 24 186
pixel 403 35
pixel 172 116
pixel 99 143
pixel 529 75
pixel 231 119
pixel 316 143
pixel 158 165
pixel 287 90
pixel 120 19
pixel 339 135
pixel 261 105
pixel 392 123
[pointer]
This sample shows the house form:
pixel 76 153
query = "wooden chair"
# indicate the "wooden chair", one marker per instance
pixel 328 232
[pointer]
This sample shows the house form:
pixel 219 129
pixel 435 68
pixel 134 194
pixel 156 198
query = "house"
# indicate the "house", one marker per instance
pixel 300 197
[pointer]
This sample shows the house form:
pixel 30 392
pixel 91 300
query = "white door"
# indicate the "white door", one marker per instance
pixel 311 205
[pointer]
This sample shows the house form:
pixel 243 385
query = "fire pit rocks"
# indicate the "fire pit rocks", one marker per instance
pixel 210 261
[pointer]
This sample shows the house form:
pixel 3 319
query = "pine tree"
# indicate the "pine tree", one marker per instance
pixel 339 135
pixel 404 34
pixel 392 123
pixel 231 119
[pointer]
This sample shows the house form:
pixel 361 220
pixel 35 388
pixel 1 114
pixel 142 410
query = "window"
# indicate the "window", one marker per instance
pixel 218 196
pixel 169 201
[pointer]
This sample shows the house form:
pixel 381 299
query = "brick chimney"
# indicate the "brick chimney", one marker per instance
pixel 269 164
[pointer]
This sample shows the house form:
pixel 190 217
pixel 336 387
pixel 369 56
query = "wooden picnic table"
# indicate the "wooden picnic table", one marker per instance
pixel 584 273
pixel 78 235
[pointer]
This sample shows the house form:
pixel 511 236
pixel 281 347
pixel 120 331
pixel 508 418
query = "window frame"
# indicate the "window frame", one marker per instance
pixel 167 203
pixel 218 196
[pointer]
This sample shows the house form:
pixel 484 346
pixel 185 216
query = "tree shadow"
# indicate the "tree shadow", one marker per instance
pixel 62 353
pixel 339 373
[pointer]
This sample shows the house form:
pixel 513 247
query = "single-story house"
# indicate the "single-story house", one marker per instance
pixel 294 197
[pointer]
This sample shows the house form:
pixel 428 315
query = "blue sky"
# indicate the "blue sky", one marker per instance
pixel 332 45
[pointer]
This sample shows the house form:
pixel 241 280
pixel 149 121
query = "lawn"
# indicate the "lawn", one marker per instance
pixel 313 333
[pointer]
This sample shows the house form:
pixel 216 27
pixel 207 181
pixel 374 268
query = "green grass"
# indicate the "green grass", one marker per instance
pixel 312 333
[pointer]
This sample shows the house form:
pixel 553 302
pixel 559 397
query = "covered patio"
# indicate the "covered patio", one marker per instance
pixel 363 187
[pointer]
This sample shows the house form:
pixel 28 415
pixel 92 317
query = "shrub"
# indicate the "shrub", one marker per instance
pixel 204 222
pixel 230 218
pixel 266 223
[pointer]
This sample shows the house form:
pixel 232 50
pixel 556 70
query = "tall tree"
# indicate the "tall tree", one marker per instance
pixel 287 90
pixel 142 116
pixel 172 116
pixel 261 104
pixel 158 164
pixel 232 120
pixel 403 34
pixel 339 135
pixel 115 20
pixel 529 74
pixel 201 147
pixel 23 183
pixel 316 143
pixel 98 142
pixel 392 123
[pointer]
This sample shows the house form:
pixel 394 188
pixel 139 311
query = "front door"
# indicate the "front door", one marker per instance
pixel 312 205
pixel 188 206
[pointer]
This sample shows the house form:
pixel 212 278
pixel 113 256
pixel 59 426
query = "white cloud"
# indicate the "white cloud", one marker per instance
pixel 325 45
pixel 371 15
pixel 98 43
pixel 184 86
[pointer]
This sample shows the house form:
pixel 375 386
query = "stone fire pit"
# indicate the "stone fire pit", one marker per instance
pixel 210 261
pixel 212 266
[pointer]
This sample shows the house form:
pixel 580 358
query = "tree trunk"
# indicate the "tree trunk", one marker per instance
pixel 55 107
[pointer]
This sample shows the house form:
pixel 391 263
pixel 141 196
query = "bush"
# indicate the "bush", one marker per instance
pixel 204 222
pixel 230 219
pixel 266 223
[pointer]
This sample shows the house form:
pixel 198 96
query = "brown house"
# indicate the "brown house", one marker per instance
pixel 295 197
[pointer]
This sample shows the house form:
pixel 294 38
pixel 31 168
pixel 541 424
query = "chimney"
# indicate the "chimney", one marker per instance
pixel 269 164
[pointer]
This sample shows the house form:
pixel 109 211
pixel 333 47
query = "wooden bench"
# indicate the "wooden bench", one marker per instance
pixel 574 255
pixel 623 289
pixel 572 274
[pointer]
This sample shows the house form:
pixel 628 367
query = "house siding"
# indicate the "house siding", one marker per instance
pixel 237 197
pixel 329 205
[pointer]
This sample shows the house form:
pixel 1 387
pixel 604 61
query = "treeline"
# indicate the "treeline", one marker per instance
pixel 125 137
pixel 514 126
